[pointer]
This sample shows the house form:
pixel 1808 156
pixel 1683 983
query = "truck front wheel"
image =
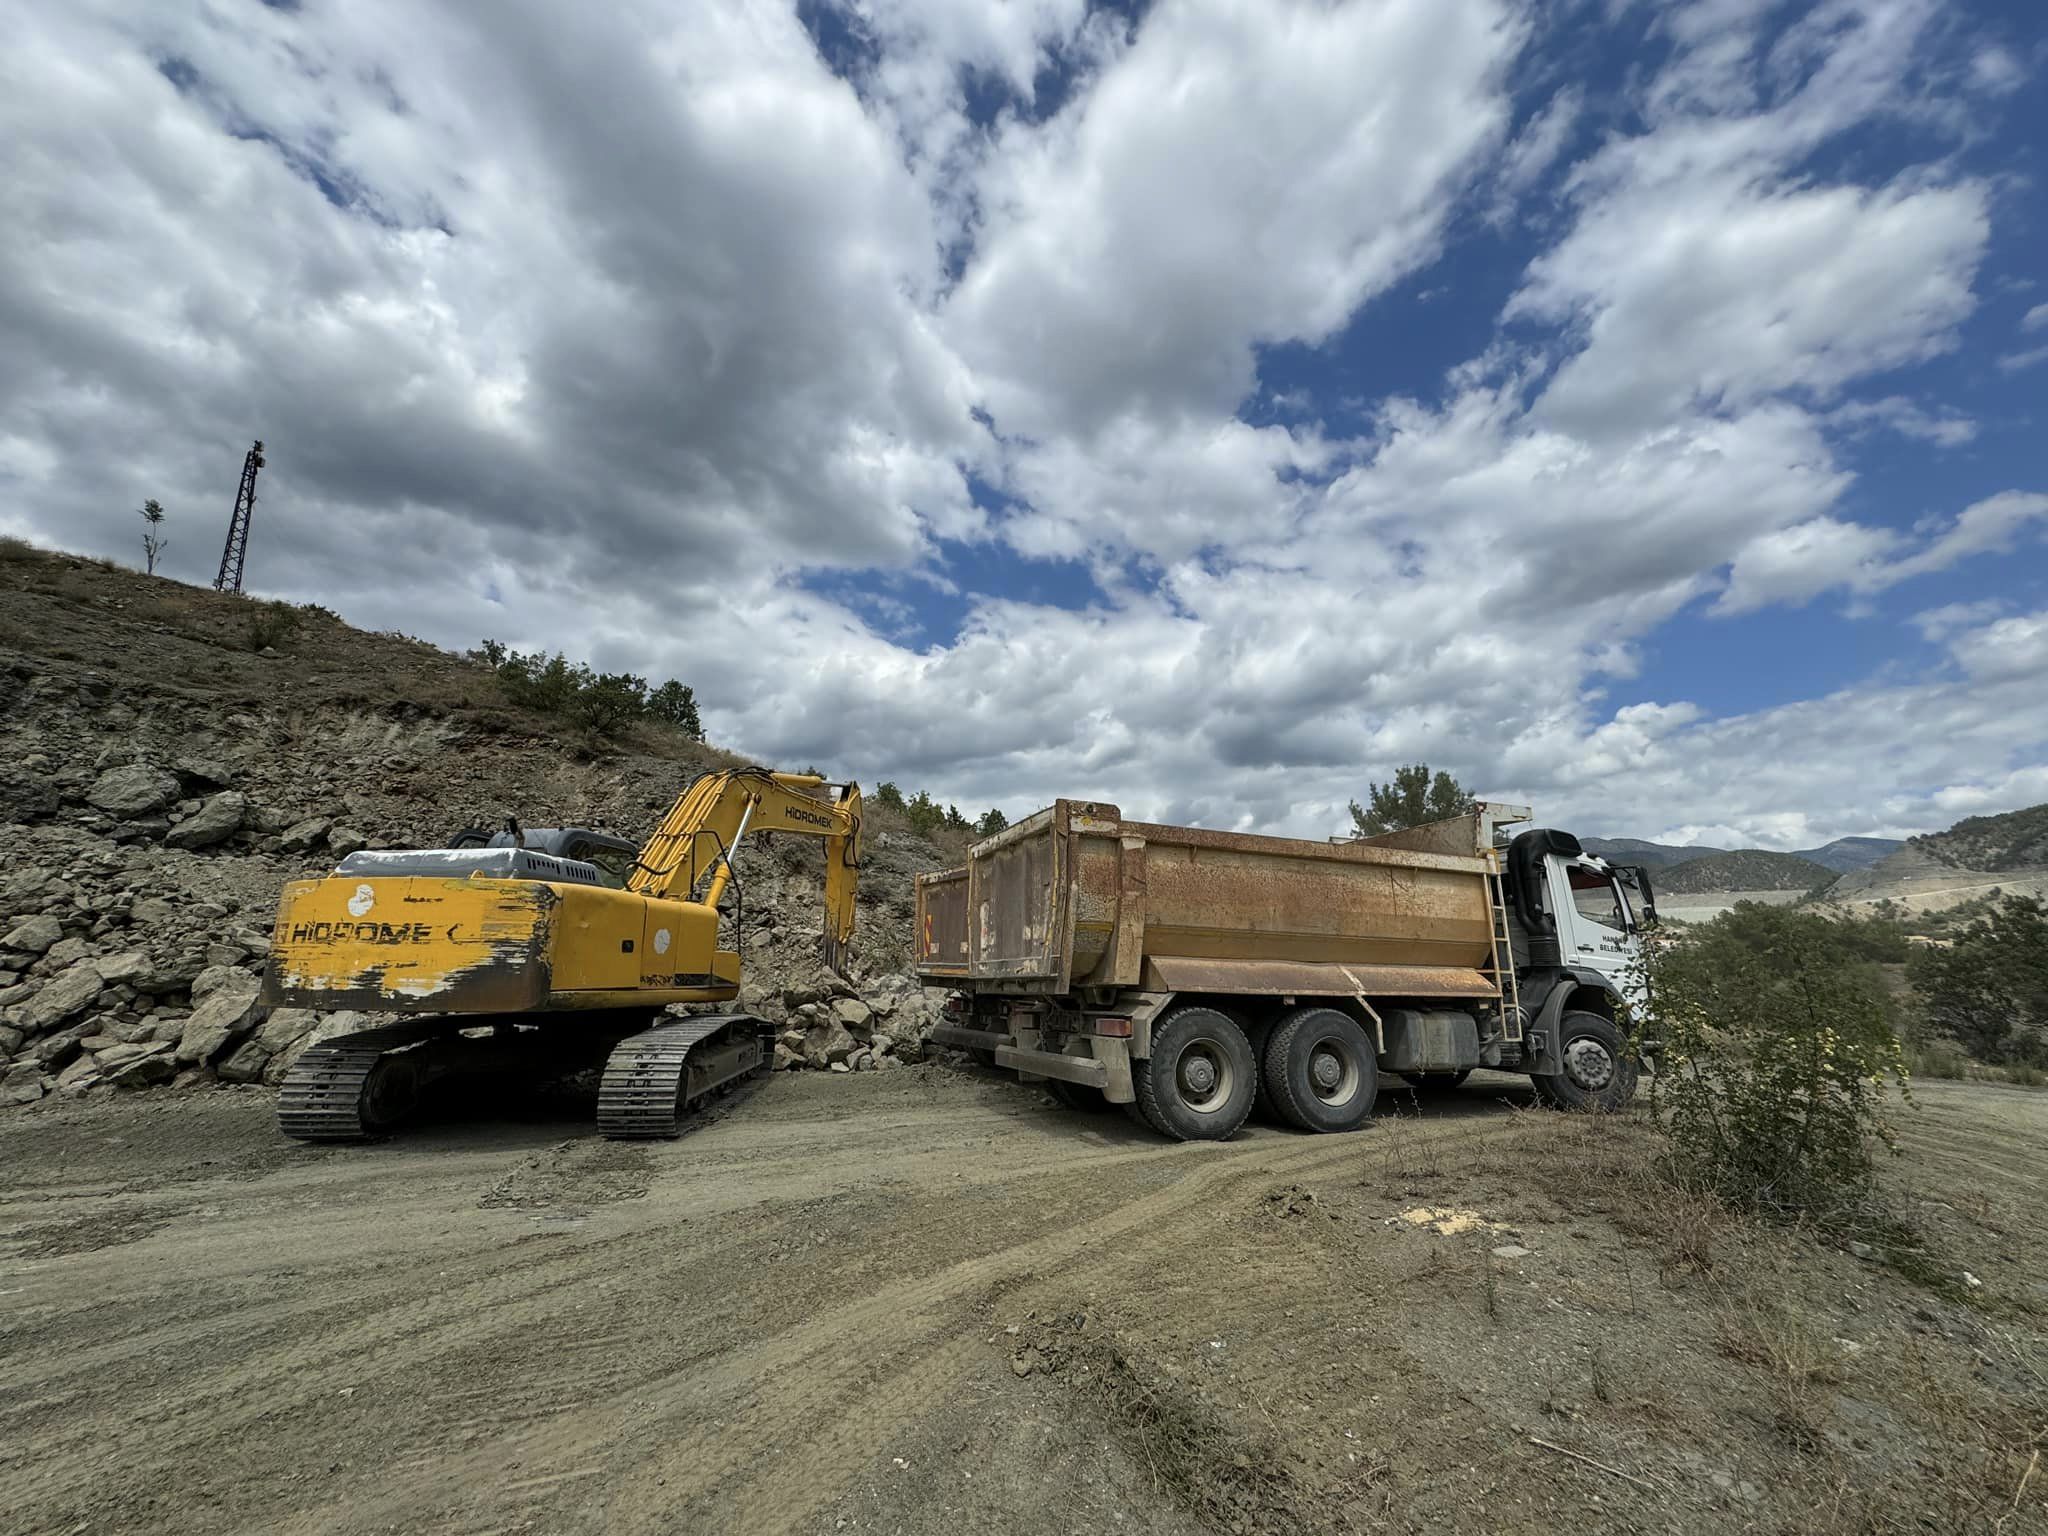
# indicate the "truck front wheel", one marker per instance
pixel 1199 1083
pixel 1598 1075
pixel 1321 1071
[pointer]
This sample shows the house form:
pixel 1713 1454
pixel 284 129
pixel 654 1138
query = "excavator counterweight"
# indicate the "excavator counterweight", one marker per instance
pixel 519 966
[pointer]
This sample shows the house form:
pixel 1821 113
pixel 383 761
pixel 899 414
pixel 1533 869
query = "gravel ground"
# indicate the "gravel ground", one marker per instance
pixel 928 1301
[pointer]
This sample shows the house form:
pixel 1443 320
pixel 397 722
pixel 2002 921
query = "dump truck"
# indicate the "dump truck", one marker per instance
pixel 1192 976
pixel 518 959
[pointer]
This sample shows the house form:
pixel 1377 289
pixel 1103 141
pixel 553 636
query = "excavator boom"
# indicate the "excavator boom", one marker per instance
pixel 695 841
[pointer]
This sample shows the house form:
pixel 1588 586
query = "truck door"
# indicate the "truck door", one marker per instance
pixel 1596 928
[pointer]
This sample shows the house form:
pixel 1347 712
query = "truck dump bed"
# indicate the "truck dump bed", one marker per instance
pixel 1076 897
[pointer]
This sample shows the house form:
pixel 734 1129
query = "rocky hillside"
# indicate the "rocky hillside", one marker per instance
pixel 2016 840
pixel 170 756
pixel 1747 869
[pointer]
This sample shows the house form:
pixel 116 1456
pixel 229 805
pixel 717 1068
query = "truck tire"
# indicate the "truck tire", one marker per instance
pixel 1321 1070
pixel 1201 1078
pixel 1599 1076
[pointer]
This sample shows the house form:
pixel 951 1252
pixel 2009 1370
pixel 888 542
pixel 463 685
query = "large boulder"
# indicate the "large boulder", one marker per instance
pixel 79 1076
pixel 246 1063
pixel 343 841
pixel 134 789
pixel 199 773
pixel 216 977
pixel 286 1027
pixel 852 1012
pixel 33 935
pixel 159 1065
pixel 62 996
pixel 124 969
pixel 66 953
pixel 826 1044
pixel 23 1084
pixel 53 1051
pixel 303 836
pixel 223 1018
pixel 114 1057
pixel 219 819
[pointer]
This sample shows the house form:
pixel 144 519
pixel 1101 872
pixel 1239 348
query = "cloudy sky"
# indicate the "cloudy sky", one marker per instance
pixel 1636 408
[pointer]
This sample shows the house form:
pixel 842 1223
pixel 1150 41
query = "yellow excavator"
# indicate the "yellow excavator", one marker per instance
pixel 530 956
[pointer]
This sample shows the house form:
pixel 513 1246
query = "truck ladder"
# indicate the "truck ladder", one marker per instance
pixel 1502 965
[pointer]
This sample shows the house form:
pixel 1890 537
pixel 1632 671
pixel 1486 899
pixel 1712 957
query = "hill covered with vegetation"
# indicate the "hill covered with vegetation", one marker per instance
pixel 2015 840
pixel 1746 869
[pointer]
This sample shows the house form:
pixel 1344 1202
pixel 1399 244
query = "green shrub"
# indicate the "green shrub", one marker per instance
pixel 607 700
pixel 600 702
pixel 271 625
pixel 1989 989
pixel 1938 1058
pixel 676 705
pixel 1779 1047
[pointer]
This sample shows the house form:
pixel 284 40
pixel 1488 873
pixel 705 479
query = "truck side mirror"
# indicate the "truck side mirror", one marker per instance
pixel 1649 896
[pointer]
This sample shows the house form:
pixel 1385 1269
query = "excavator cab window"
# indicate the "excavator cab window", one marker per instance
pixel 613 867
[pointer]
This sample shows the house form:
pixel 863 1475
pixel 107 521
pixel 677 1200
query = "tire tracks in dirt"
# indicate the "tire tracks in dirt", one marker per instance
pixel 863 1371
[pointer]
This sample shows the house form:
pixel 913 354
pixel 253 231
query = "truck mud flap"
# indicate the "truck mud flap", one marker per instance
pixel 1084 1070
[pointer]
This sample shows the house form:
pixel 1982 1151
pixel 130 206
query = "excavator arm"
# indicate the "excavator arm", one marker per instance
pixel 689 857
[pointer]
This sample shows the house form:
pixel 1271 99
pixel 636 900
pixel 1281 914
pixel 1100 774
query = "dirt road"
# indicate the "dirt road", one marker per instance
pixel 919 1301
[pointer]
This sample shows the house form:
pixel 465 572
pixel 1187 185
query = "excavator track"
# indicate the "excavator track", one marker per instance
pixel 354 1086
pixel 363 1085
pixel 655 1079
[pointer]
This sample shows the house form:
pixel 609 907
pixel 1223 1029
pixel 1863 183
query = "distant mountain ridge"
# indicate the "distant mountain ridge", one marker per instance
pixel 1745 869
pixel 1847 853
pixel 1863 866
pixel 1842 855
pixel 1636 850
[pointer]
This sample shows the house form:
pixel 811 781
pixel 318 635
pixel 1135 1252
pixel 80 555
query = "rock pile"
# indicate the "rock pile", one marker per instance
pixel 831 1026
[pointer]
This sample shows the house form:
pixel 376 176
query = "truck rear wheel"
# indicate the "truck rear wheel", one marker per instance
pixel 1598 1075
pixel 1199 1083
pixel 1321 1070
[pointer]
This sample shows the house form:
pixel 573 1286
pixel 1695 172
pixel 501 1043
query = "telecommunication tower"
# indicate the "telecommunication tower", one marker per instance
pixel 237 550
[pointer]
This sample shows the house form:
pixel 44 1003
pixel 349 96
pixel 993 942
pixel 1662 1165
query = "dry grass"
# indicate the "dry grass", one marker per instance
pixel 1800 1367
pixel 1224 1475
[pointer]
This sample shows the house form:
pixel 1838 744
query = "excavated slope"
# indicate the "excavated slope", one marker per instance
pixel 161 778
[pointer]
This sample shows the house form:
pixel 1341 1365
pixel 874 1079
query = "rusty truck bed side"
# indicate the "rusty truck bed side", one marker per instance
pixel 1077 897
